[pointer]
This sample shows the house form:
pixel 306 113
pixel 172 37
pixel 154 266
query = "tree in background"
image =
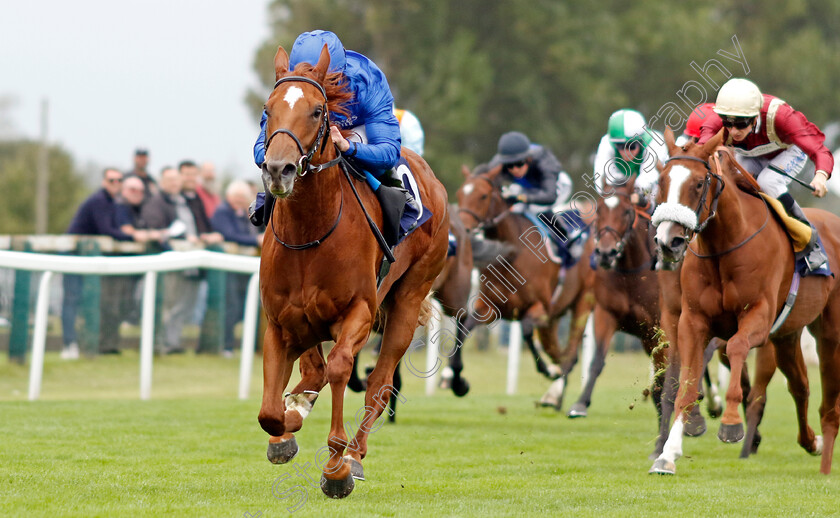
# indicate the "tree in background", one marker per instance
pixel 67 189
pixel 473 69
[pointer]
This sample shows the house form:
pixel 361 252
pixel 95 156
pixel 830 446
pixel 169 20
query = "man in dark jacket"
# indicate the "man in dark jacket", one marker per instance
pixel 97 216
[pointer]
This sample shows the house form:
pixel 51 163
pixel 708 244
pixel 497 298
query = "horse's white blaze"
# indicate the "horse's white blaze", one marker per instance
pixel 678 175
pixel 292 95
pixel 468 189
pixel 673 446
pixel 611 202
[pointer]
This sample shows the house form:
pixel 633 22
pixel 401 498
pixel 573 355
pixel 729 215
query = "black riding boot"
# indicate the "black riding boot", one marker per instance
pixel 813 252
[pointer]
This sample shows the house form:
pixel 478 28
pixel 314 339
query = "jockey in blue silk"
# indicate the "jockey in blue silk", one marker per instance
pixel 375 145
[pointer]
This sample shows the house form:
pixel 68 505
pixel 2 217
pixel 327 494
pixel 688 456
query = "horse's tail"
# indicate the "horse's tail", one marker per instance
pixel 426 310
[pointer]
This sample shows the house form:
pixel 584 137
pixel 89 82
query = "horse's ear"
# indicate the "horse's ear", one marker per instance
pixel 669 140
pixel 465 171
pixel 494 171
pixel 713 143
pixel 323 65
pixel 281 63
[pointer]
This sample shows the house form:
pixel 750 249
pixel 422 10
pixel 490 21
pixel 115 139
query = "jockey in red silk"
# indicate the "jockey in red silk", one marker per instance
pixel 772 141
pixel 695 120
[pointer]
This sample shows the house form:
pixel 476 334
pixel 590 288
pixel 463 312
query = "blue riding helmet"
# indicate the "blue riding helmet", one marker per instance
pixel 307 49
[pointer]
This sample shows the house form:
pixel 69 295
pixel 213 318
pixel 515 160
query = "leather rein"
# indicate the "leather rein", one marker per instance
pixel 720 185
pixel 304 166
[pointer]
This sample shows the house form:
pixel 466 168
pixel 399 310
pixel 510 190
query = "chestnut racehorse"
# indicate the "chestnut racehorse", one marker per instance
pixel 734 285
pixel 627 293
pixel 318 274
pixel 520 286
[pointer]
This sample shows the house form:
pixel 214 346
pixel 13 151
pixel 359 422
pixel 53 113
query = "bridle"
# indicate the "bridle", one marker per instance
pixel 719 186
pixel 713 206
pixel 304 163
pixel 486 222
pixel 304 166
pixel 623 239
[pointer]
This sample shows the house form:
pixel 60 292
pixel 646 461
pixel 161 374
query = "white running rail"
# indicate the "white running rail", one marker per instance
pixel 150 265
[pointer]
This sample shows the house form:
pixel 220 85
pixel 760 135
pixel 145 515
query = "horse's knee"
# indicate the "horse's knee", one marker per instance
pixel 339 367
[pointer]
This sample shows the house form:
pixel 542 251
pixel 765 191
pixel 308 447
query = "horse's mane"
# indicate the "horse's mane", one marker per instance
pixel 732 173
pixel 335 85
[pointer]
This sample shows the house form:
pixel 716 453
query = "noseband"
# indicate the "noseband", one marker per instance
pixel 304 164
pixel 706 183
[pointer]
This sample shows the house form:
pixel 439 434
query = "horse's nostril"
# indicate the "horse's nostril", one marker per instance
pixel 288 169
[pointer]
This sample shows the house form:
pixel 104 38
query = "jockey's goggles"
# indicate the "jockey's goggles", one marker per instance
pixel 627 146
pixel 737 122
pixel 517 164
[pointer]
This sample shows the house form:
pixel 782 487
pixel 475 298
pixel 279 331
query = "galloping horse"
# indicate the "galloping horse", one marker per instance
pixel 735 283
pixel 627 292
pixel 318 271
pixel 520 286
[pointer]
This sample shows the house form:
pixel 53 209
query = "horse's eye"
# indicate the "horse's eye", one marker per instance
pixel 483 197
pixel 317 113
pixel 699 185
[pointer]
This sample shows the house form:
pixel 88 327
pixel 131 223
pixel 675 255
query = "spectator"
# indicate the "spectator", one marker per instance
pixel 97 216
pixel 191 181
pixel 231 220
pixel 208 189
pixel 181 288
pixel 120 299
pixel 141 162
pixel 189 184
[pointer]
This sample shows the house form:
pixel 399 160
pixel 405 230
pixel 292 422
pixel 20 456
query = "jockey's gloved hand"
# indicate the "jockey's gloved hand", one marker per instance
pixel 512 192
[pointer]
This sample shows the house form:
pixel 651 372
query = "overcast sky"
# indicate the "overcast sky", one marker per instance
pixel 169 75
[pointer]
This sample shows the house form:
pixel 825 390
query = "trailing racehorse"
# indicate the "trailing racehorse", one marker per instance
pixel 519 286
pixel 735 284
pixel 318 274
pixel 627 293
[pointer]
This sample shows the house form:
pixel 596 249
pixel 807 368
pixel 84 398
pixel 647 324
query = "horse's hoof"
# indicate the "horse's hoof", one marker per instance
pixel 695 427
pixel 731 432
pixel 715 407
pixel 577 410
pixel 283 451
pixel 818 446
pixel 356 469
pixel 460 386
pixel 755 443
pixel 663 467
pixel 548 403
pixel 337 488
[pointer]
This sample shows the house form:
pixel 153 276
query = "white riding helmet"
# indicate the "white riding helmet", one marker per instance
pixel 739 98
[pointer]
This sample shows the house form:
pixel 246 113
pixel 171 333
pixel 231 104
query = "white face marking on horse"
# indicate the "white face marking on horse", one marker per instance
pixel 611 202
pixel 292 95
pixel 468 189
pixel 678 175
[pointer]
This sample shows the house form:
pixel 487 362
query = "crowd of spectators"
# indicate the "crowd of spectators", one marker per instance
pixel 183 203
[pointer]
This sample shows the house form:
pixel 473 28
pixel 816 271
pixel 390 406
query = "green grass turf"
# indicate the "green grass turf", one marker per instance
pixel 91 448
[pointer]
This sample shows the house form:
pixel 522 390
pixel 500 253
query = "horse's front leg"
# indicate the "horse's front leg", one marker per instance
pixel 605 327
pixel 278 361
pixel 753 330
pixel 301 399
pixel 693 332
pixel 765 367
pixel 350 334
